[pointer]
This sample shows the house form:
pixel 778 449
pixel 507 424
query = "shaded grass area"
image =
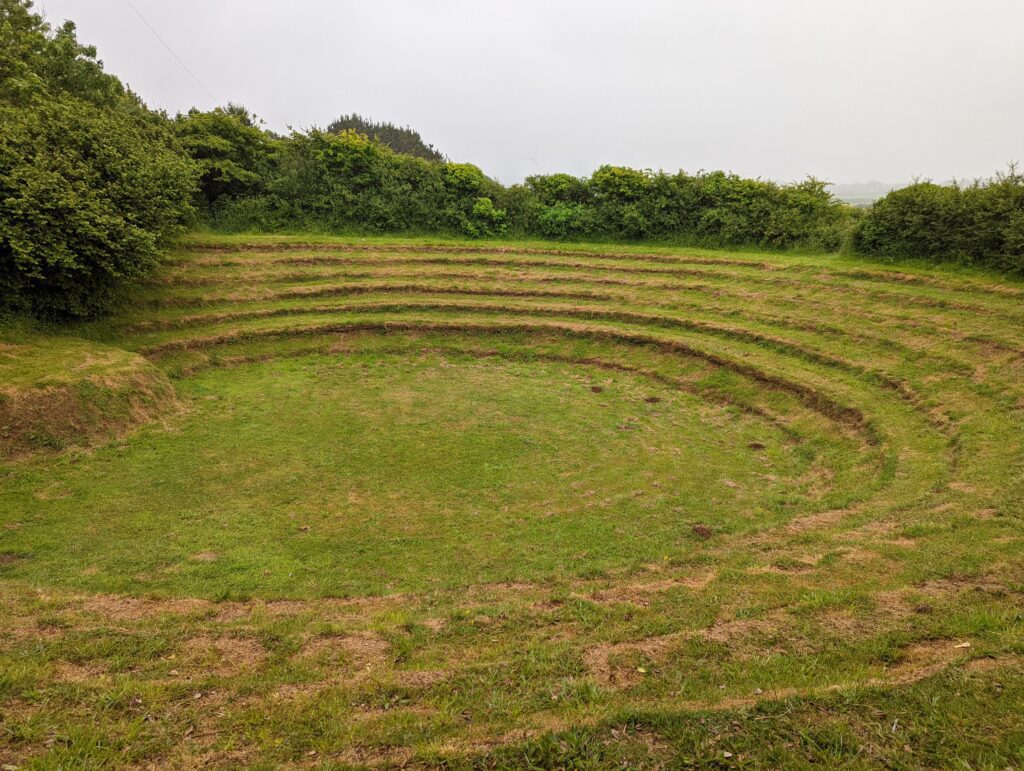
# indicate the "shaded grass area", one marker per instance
pixel 514 505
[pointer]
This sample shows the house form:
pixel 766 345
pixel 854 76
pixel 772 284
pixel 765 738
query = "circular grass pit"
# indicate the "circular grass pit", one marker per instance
pixel 417 502
pixel 376 470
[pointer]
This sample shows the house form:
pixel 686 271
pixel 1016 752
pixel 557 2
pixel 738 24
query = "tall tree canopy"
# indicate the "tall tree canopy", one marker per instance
pixel 401 139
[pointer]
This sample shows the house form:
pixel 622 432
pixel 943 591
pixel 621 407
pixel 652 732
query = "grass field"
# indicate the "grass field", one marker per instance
pixel 317 502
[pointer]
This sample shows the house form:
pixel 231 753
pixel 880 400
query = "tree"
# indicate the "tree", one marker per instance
pixel 400 139
pixel 234 154
pixel 91 182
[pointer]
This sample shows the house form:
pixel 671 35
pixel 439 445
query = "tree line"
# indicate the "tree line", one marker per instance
pixel 401 139
pixel 93 184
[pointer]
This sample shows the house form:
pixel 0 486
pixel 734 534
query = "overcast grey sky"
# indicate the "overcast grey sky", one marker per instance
pixel 848 90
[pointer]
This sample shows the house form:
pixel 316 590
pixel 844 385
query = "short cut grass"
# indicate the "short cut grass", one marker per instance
pixel 516 504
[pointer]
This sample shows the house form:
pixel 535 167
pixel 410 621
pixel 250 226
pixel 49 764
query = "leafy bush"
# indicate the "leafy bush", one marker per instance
pixel 486 220
pixel 235 156
pixel 87 195
pixel 91 183
pixel 916 221
pixel 978 224
pixel 712 208
pixel 348 182
pixel 565 221
pixel 558 188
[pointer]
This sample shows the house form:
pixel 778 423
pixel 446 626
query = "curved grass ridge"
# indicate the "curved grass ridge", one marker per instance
pixel 58 393
pixel 882 579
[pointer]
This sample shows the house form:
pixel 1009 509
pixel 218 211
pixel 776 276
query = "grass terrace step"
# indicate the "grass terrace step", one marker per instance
pixel 478 505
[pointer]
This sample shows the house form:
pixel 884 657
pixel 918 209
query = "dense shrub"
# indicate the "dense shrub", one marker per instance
pixel 921 220
pixel 977 224
pixel 235 156
pixel 344 180
pixel 348 182
pixel 401 139
pixel 711 208
pixel 565 221
pixel 91 183
pixel 86 197
pixel 553 189
pixel 485 219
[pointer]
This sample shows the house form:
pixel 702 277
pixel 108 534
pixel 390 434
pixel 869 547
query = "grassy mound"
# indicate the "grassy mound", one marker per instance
pixel 500 505
pixel 61 392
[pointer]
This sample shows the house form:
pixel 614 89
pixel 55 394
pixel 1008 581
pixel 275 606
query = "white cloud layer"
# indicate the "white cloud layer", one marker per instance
pixel 847 90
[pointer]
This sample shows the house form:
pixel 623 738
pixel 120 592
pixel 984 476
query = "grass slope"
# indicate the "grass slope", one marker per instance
pixel 58 392
pixel 503 505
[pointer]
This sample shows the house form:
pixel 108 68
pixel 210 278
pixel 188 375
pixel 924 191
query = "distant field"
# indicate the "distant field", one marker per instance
pixel 370 503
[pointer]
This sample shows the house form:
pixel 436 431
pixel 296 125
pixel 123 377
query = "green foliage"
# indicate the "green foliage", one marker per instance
pixel 87 195
pixel 91 183
pixel 916 221
pixel 617 184
pixel 977 224
pixel 714 208
pixel 486 220
pixel 235 155
pixel 345 179
pixel 349 182
pixel 401 139
pixel 558 188
pixel 462 178
pixel 36 61
pixel 565 221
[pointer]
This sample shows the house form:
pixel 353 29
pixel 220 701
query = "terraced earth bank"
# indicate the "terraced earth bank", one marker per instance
pixel 494 505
